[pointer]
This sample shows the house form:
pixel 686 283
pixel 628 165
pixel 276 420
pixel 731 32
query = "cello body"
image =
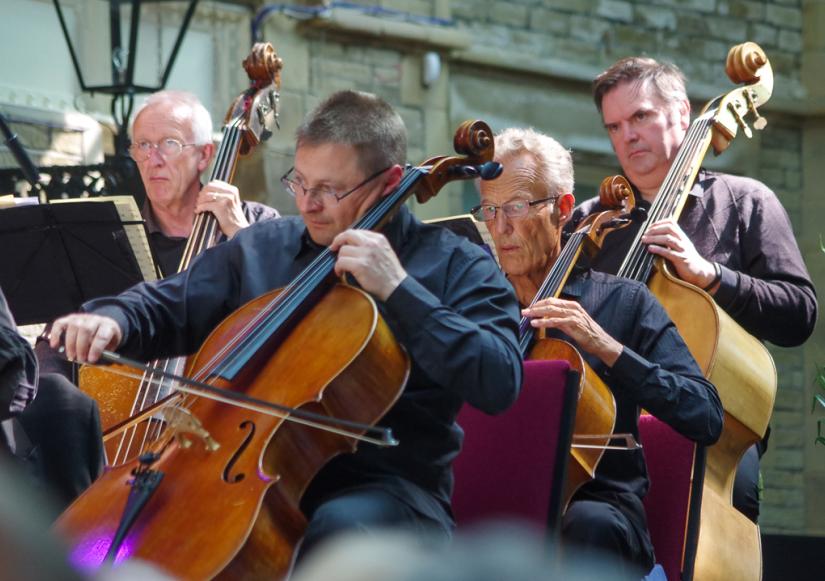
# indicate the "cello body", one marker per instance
pixel 249 487
pixel 595 414
pixel 744 374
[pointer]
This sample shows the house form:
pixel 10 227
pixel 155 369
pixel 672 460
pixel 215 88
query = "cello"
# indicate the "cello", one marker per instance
pixel 596 408
pixel 738 364
pixel 240 470
pixel 126 402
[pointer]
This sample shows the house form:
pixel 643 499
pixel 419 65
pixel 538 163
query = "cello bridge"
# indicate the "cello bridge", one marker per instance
pixel 186 427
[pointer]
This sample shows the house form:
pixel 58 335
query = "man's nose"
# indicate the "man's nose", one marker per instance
pixel 155 156
pixel 501 222
pixel 629 133
pixel 310 201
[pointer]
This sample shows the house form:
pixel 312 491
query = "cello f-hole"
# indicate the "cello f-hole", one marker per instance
pixel 248 425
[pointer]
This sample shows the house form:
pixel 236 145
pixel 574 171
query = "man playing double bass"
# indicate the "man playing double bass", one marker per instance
pixel 733 238
pixel 443 298
pixel 619 327
pixel 172 146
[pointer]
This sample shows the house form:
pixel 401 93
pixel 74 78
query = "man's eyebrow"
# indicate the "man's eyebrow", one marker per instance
pixel 642 109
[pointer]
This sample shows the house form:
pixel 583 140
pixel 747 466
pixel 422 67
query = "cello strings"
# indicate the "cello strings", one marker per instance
pixel 303 417
pixel 551 285
pixel 269 319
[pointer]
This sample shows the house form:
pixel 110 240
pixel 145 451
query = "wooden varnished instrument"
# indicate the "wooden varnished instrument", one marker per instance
pixel 121 397
pixel 738 365
pixel 596 408
pixel 218 494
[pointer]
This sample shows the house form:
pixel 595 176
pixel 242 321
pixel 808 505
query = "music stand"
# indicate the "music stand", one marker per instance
pixel 57 256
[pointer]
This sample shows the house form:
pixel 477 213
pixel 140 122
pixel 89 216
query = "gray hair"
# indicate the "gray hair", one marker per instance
pixel 201 121
pixel 666 79
pixel 554 164
pixel 361 120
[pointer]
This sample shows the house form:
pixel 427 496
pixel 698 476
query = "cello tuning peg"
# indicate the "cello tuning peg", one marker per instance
pixel 490 170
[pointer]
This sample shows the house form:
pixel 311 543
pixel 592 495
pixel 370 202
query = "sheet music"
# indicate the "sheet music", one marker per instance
pixel 467 226
pixel 133 225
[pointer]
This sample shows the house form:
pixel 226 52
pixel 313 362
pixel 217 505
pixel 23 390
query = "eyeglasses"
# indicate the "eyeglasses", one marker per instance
pixel 167 149
pixel 514 209
pixel 294 187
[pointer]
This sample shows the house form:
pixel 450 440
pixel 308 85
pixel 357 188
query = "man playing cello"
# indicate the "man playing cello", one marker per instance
pixel 621 330
pixel 443 298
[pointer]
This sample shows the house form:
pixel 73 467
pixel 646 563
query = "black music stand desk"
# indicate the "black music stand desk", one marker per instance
pixel 57 256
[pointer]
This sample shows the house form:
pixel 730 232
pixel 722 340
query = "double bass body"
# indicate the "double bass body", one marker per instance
pixel 744 374
pixel 248 488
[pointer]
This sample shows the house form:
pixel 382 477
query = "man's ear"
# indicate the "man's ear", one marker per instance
pixel 207 151
pixel 565 205
pixel 394 175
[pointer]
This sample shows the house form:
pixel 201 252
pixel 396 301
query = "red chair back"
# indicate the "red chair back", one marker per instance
pixel 512 466
pixel 676 467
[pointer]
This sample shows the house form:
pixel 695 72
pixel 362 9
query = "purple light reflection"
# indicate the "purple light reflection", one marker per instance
pixel 88 554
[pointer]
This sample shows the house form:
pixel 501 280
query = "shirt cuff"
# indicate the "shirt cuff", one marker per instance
pixel 630 369
pixel 728 287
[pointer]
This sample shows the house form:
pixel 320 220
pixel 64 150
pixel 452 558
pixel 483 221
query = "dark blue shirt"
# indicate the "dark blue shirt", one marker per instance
pixel 168 250
pixel 655 371
pixel 455 314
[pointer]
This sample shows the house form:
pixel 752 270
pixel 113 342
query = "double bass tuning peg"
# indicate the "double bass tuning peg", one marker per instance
pixel 759 122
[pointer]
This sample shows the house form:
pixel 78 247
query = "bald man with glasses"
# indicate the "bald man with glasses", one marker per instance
pixel 172 146
pixel 618 326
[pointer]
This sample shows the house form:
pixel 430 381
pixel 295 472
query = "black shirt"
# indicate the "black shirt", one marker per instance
pixel 455 314
pixel 655 371
pixel 168 250
pixel 739 223
pixel 18 366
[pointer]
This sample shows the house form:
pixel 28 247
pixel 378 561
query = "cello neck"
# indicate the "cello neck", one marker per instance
pixel 552 285
pixel 280 315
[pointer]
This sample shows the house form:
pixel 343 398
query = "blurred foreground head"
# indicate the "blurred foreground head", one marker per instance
pixel 501 551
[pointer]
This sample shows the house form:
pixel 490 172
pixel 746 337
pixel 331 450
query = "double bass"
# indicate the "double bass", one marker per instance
pixel 741 368
pixel 242 470
pixel 127 402
pixel 596 407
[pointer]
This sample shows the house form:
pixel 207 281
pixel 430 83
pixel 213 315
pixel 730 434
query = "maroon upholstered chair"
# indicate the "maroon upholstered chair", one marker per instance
pixel 512 466
pixel 676 467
